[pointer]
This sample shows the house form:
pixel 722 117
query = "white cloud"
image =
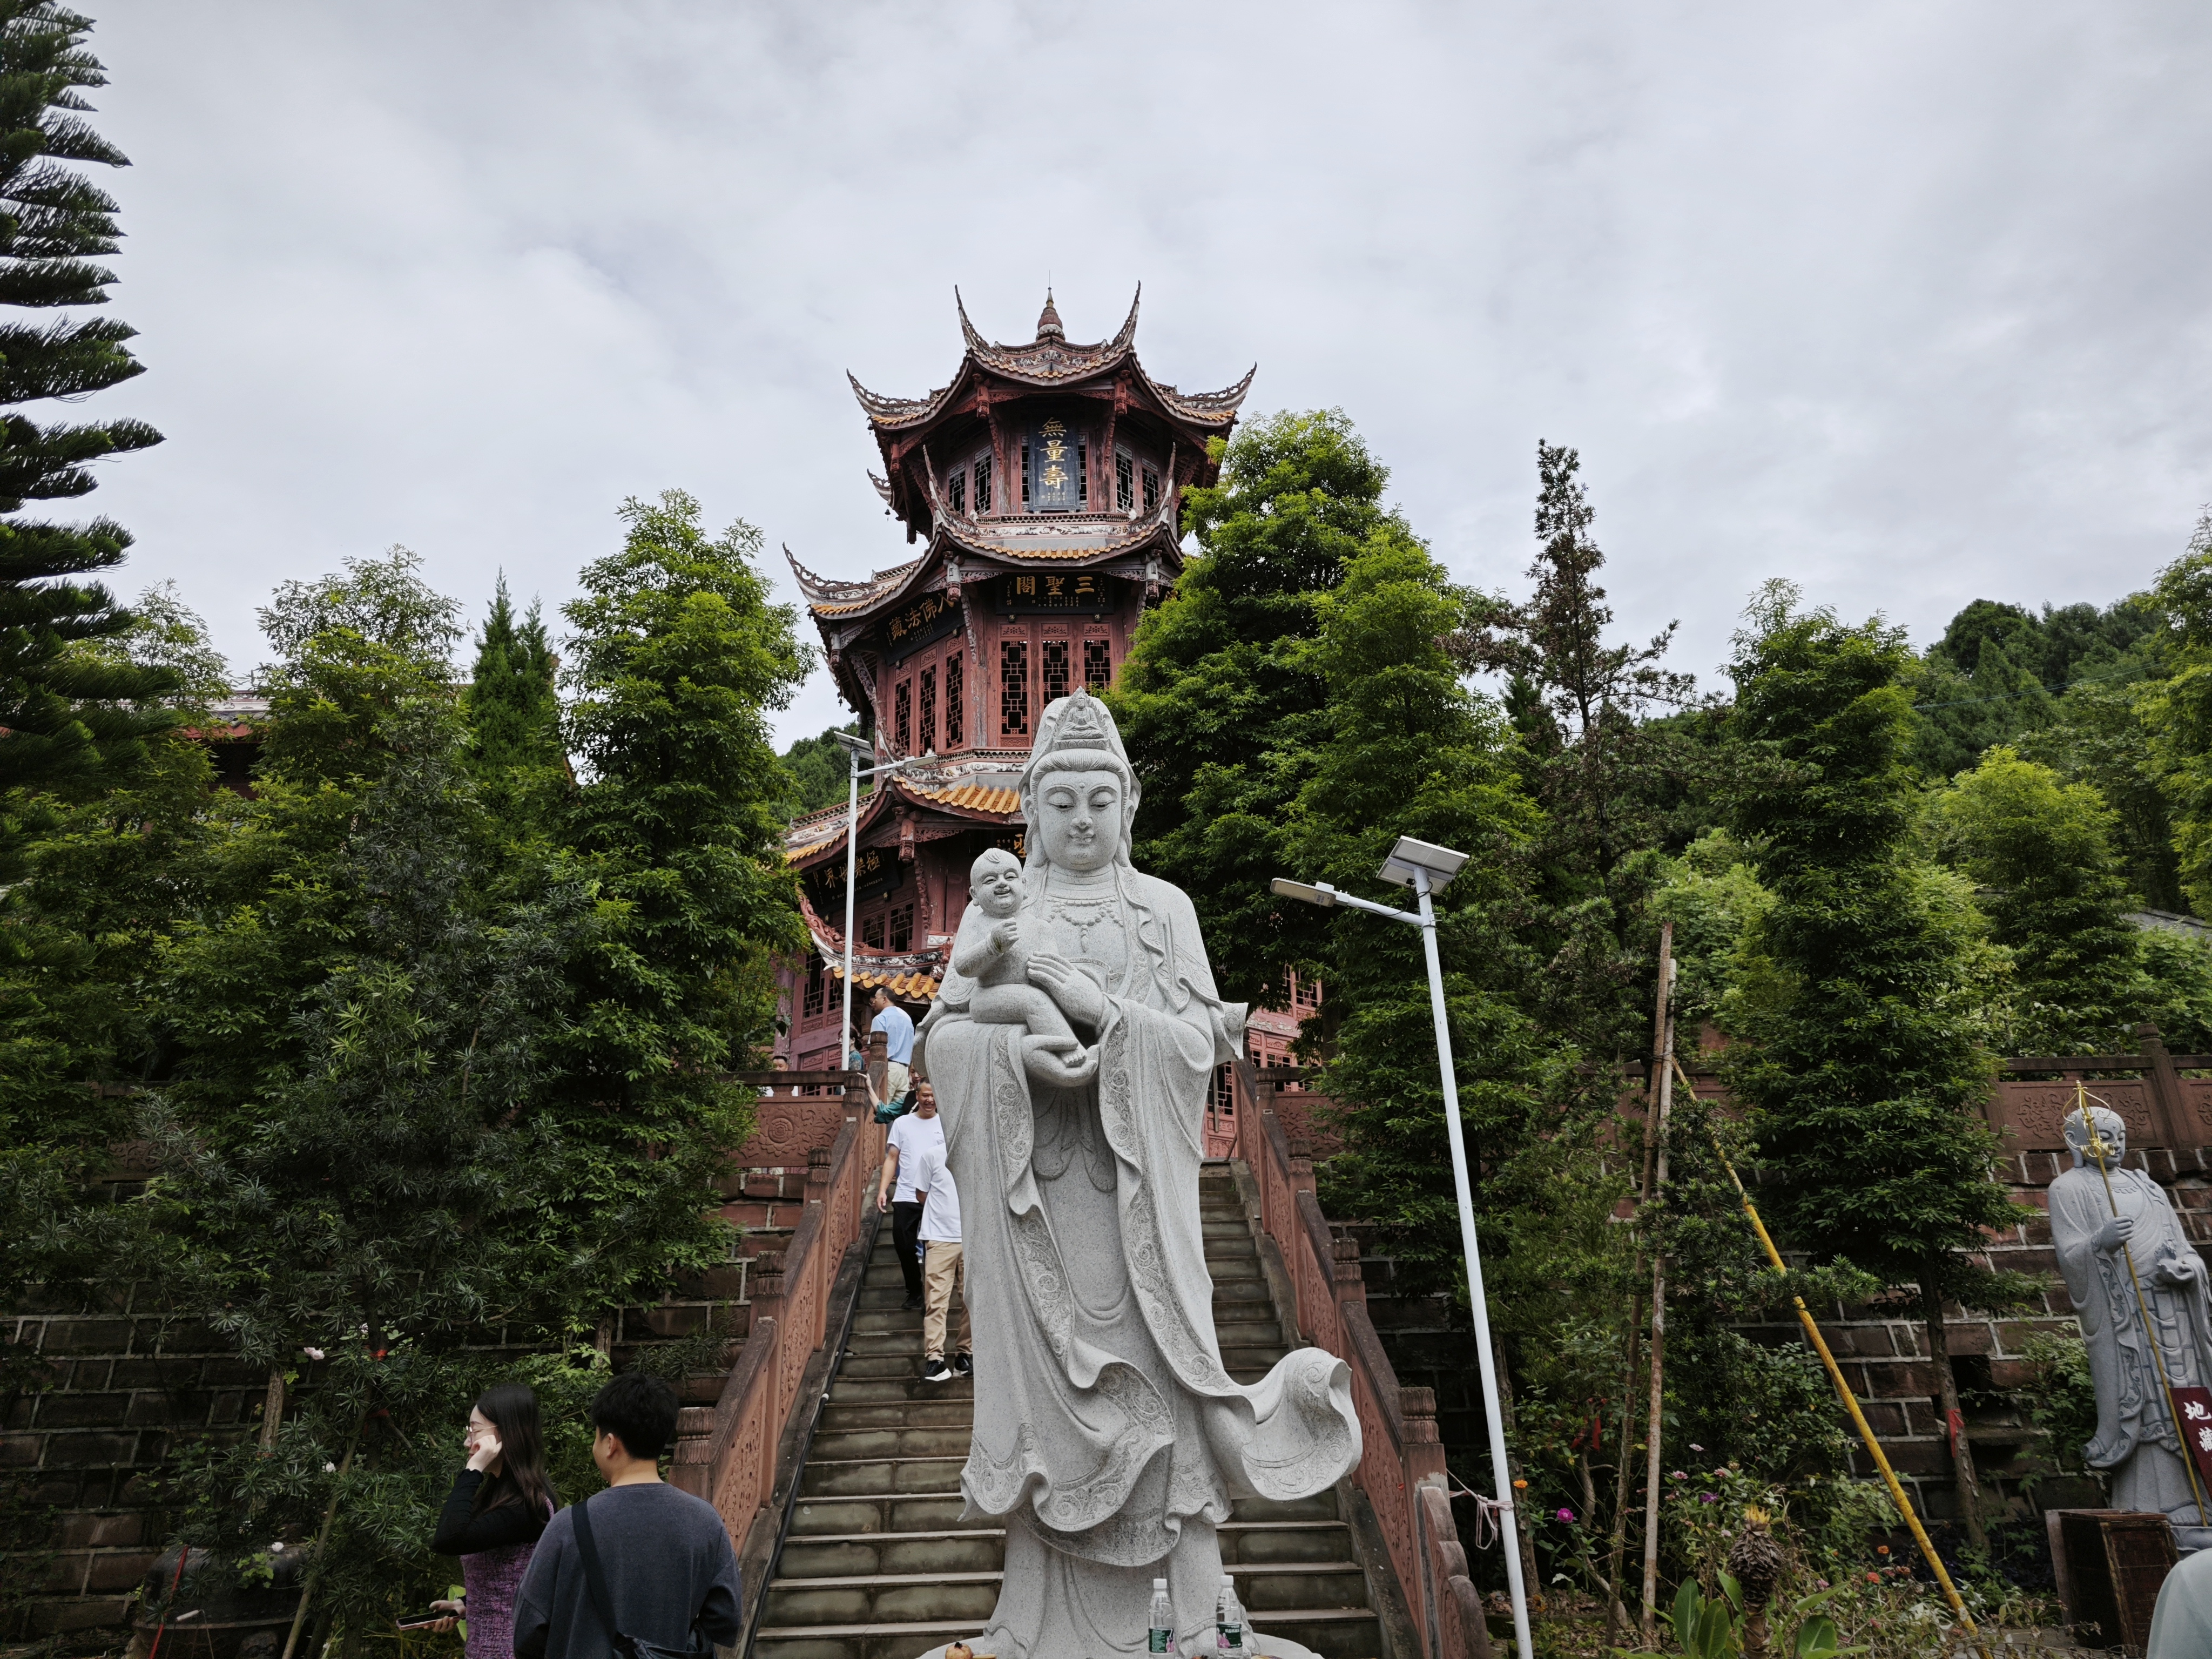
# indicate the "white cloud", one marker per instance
pixel 1905 303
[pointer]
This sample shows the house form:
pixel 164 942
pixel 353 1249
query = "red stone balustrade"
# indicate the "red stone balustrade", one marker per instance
pixel 747 1457
pixel 1402 1467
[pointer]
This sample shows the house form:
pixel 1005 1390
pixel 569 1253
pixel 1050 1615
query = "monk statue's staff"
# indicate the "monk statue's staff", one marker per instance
pixel 1843 1389
pixel 2099 1147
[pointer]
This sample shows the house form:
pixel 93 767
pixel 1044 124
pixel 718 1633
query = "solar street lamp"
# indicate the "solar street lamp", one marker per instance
pixel 1428 869
pixel 856 751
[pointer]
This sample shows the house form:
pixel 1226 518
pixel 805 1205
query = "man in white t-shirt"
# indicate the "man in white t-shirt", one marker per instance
pixel 942 1264
pixel 911 1134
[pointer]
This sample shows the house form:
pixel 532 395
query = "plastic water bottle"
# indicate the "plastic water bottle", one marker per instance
pixel 1163 1637
pixel 1228 1619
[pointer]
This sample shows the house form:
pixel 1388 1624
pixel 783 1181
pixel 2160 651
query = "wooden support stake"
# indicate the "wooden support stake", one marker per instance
pixel 1652 1424
pixel 1616 1611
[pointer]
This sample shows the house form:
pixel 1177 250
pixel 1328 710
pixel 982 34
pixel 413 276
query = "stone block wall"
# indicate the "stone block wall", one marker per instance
pixel 129 1379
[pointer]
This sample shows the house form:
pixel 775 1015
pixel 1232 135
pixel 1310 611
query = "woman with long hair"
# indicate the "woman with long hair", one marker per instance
pixel 494 1515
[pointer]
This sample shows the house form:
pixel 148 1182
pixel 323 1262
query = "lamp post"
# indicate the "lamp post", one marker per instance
pixel 1427 869
pixel 856 750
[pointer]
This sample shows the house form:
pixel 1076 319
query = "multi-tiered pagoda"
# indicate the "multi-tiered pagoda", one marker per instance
pixel 1044 487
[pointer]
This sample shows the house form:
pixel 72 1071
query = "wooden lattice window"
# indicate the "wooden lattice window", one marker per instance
pixel 958 492
pixel 1152 489
pixel 815 998
pixel 1056 670
pixel 1125 482
pixel 928 710
pixel 1097 664
pixel 956 721
pixel 902 716
pixel 901 932
pixel 1025 475
pixel 1224 1092
pixel 872 930
pixel 1014 688
pixel 982 486
pixel 1304 992
pixel 1083 472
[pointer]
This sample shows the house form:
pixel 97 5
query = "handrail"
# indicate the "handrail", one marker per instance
pixel 761 1421
pixel 1401 1465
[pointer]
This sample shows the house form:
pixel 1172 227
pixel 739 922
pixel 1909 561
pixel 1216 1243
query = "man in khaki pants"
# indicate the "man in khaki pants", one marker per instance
pixel 941 1264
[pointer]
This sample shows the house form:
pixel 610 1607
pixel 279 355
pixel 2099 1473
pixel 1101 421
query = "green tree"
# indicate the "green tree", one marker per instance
pixel 1605 772
pixel 70 718
pixel 2177 711
pixel 819 771
pixel 1413 751
pixel 1219 702
pixel 676 657
pixel 514 710
pixel 1863 1080
pixel 2055 897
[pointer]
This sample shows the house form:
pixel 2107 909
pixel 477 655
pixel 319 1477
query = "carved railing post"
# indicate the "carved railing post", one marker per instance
pixel 2166 1101
pixel 1351 1282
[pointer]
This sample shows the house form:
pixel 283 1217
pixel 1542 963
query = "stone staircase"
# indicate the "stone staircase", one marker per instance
pixel 879 1564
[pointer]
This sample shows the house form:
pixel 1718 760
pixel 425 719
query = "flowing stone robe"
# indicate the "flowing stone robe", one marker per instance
pixel 1106 1434
pixel 2136 1439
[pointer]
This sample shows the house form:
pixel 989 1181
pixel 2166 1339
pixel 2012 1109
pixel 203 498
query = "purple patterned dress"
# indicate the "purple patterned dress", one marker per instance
pixel 494 1579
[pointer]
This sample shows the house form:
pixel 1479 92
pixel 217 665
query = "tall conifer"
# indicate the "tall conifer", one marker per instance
pixel 514 714
pixel 69 714
pixel 1863 1078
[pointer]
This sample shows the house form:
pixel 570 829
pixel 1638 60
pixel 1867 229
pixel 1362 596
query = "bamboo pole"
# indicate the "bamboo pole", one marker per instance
pixel 1652 1424
pixel 322 1539
pixel 2099 1147
pixel 1851 1400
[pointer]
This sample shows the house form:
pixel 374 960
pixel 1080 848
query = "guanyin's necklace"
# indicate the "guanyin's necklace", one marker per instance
pixel 1081 914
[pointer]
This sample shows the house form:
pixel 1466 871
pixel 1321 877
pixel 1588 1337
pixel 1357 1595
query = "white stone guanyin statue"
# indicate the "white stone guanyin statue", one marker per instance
pixel 1108 1436
pixel 2135 1443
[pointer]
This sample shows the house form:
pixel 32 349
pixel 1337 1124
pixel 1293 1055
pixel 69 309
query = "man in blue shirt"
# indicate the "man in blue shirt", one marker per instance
pixel 898 1041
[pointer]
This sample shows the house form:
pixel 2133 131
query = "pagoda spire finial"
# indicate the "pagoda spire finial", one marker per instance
pixel 1048 326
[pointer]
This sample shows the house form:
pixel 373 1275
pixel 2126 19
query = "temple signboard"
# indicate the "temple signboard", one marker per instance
pixel 1047 592
pixel 1055 468
pixel 926 621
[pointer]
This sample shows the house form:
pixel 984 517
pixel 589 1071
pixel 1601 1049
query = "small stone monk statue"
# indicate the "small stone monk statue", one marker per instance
pixel 2096 1234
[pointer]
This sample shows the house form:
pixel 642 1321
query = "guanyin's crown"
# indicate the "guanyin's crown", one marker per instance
pixel 1078 722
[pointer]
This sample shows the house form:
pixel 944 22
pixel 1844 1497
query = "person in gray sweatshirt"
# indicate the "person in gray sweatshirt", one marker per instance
pixel 666 1554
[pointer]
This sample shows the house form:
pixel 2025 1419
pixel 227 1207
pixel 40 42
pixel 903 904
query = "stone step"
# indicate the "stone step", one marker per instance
pixel 1248 1334
pixel 895 1549
pixel 854 1555
pixel 927 1407
pixel 852 1445
pixel 873 1321
pixel 1253 1357
pixel 937 1512
pixel 868 1596
pixel 849 1390
pixel 1333 1633
pixel 882 1477
pixel 898 1641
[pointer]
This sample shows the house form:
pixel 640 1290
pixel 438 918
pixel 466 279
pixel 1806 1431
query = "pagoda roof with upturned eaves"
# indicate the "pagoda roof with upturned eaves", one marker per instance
pixel 1050 364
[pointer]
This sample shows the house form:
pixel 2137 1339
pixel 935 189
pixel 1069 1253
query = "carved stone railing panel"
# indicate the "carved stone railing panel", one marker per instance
pixel 1402 1466
pixel 733 1466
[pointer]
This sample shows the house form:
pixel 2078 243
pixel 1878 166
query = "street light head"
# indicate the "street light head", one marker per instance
pixel 1323 895
pixel 865 748
pixel 1410 858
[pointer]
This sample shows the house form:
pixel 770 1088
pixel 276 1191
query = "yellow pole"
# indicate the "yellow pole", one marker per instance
pixel 1843 1389
pixel 2098 1148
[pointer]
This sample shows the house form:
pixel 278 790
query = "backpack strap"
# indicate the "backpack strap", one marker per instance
pixel 594 1577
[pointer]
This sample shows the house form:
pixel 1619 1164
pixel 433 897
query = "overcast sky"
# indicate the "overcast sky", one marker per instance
pixel 1909 302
